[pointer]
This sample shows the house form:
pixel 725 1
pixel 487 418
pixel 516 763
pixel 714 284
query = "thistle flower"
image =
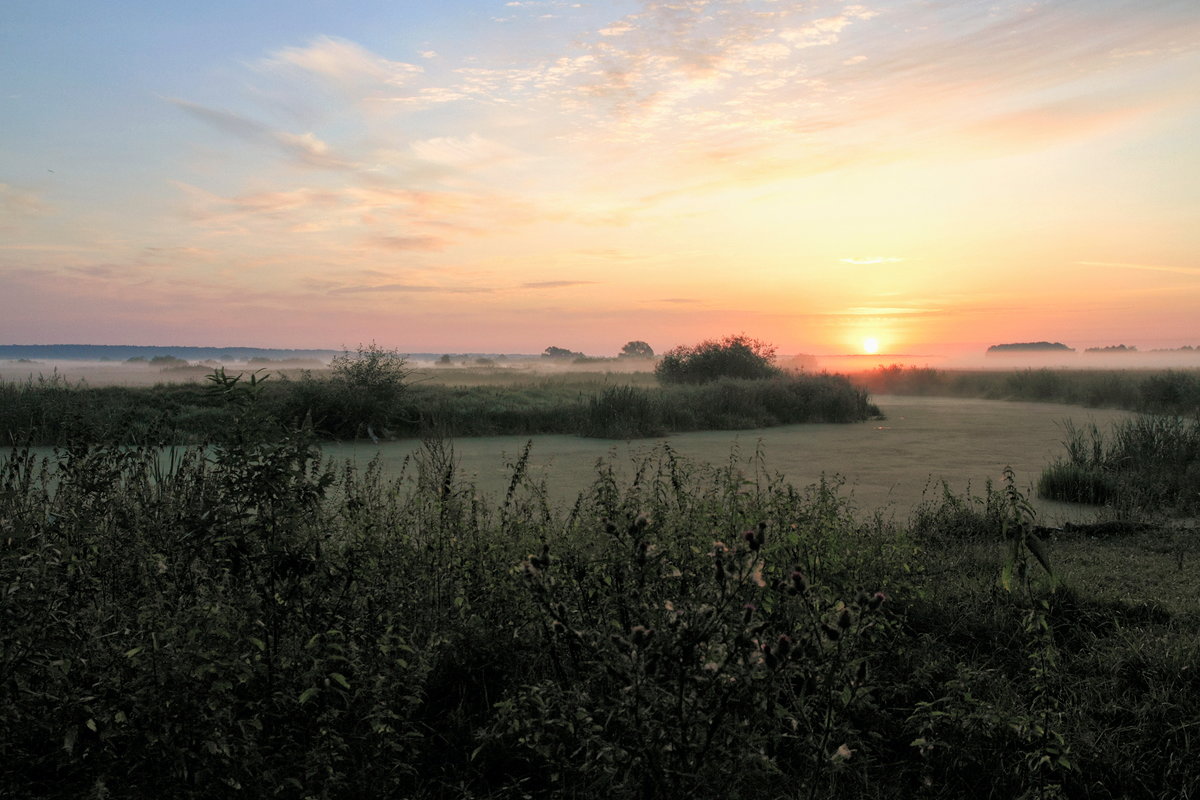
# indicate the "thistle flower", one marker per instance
pixel 799 582
pixel 783 645
pixel 641 635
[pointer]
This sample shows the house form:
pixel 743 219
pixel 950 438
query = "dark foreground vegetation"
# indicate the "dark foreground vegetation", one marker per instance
pixel 53 411
pixel 1152 391
pixel 1146 466
pixel 246 621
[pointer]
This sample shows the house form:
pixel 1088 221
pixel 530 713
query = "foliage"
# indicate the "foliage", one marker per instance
pixel 51 411
pixel 636 349
pixel 1148 463
pixel 371 381
pixel 246 620
pixel 732 357
pixel 1163 392
pixel 559 352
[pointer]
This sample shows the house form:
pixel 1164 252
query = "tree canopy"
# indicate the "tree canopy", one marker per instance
pixel 636 349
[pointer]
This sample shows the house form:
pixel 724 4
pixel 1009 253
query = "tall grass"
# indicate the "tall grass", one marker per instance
pixel 1167 391
pixel 53 411
pixel 251 621
pixel 1150 463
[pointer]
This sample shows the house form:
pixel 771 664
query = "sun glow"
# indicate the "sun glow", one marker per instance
pixel 870 345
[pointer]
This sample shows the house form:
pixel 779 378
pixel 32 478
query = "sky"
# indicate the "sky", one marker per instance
pixel 503 176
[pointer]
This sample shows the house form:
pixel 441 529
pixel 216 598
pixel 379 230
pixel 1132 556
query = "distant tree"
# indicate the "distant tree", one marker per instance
pixel 732 357
pixel 636 349
pixel 444 361
pixel 371 380
pixel 559 352
pixel 1018 347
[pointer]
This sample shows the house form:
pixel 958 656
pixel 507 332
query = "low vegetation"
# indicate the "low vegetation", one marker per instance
pixel 371 395
pixel 247 620
pixel 1154 391
pixel 1148 465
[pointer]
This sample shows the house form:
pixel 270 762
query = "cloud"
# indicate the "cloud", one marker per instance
pixel 408 288
pixel 472 151
pixel 408 242
pixel 555 284
pixel 304 148
pixel 20 202
pixel 343 63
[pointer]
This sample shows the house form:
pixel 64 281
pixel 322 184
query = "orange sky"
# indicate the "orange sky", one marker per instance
pixel 504 176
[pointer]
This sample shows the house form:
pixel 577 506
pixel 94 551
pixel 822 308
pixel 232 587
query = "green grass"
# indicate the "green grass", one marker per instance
pixel 247 620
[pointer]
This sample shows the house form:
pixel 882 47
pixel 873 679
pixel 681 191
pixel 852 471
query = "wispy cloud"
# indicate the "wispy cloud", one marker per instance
pixel 555 284
pixel 303 148
pixel 21 202
pixel 409 288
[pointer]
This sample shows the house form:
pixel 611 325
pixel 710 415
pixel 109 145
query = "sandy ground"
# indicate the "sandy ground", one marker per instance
pixel 890 464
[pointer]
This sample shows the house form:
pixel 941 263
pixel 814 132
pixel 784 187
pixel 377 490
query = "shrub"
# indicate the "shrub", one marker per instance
pixel 371 382
pixel 732 357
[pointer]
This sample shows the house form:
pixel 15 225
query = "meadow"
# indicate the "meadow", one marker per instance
pixel 252 618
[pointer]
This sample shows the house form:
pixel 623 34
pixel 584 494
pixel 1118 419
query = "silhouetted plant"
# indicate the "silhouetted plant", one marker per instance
pixel 732 357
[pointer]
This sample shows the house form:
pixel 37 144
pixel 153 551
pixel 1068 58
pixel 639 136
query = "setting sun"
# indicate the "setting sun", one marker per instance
pixel 870 345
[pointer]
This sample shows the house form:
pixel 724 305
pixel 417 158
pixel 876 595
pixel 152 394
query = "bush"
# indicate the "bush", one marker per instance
pixel 732 357
pixel 371 381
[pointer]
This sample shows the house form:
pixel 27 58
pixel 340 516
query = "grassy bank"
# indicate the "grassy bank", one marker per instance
pixel 256 623
pixel 55 411
pixel 1152 391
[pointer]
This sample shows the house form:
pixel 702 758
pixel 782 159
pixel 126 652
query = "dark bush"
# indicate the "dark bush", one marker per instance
pixel 732 357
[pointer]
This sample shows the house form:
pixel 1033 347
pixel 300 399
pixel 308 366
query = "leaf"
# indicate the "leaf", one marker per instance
pixel 259 643
pixel 308 694
pixel 1006 576
pixel 91 724
pixel 133 652
pixel 1039 552
pixel 340 679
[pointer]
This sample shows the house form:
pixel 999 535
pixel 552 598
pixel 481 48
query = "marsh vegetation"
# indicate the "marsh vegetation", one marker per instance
pixel 252 619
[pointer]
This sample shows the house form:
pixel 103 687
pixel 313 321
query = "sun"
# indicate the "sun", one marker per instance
pixel 870 345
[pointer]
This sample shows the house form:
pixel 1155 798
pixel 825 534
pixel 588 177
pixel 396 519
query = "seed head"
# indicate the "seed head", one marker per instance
pixel 784 645
pixel 844 619
pixel 641 635
pixel 799 582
